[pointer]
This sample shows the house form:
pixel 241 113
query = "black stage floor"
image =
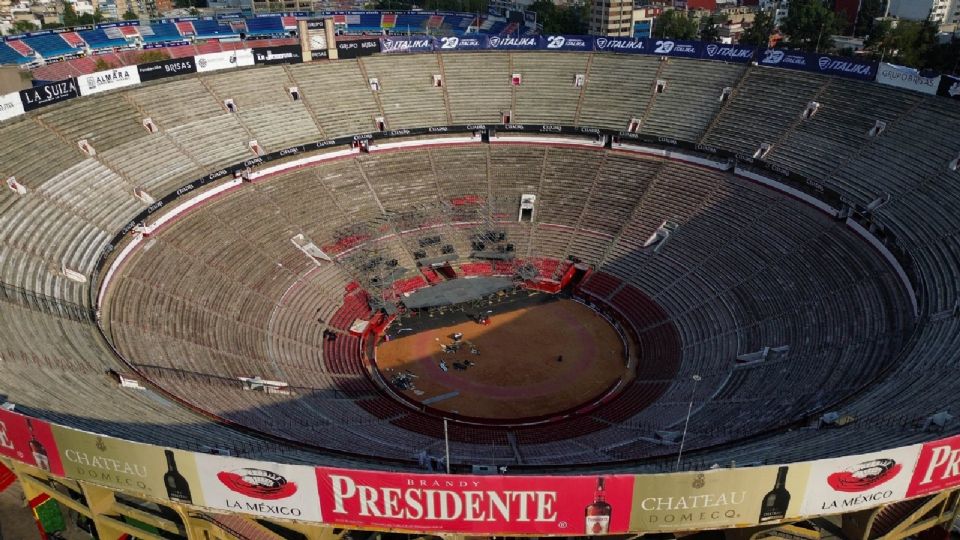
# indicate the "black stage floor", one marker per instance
pixel 413 322
pixel 456 291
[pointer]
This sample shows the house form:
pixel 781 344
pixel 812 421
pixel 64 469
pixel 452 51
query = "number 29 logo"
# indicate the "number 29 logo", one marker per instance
pixel 664 47
pixel 555 42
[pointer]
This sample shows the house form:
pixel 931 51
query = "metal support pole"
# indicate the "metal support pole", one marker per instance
pixel 683 438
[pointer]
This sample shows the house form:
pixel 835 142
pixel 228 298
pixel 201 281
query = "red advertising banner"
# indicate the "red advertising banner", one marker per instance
pixel 937 468
pixel 575 505
pixel 30 441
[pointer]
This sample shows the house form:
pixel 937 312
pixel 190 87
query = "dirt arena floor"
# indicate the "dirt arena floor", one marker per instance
pixel 516 373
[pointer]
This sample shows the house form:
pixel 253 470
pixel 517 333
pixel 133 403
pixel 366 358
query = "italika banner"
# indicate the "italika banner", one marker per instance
pixel 574 505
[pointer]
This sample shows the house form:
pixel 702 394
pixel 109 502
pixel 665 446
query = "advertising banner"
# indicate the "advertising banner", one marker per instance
pixel 109 79
pixel 256 487
pixel 513 43
pixel 29 441
pixel 682 49
pixel 355 49
pixel 938 467
pixel 727 53
pixel 567 43
pixel 819 63
pixel 949 87
pixel 455 43
pixel 224 60
pixel 572 505
pixel 856 482
pixel 10 106
pixel 48 94
pixel 717 498
pixel 907 78
pixel 283 54
pixel 406 44
pixel 166 68
pixel 149 470
pixel 620 45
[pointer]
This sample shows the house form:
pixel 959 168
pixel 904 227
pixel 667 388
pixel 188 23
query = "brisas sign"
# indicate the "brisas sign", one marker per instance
pixel 166 68
pixel 907 78
pixel 471 504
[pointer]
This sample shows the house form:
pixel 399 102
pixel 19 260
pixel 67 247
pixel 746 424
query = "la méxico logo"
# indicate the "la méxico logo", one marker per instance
pixel 864 475
pixel 257 484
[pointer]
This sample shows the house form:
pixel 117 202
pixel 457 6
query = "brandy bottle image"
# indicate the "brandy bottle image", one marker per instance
pixel 36 448
pixel 598 513
pixel 177 487
pixel 775 503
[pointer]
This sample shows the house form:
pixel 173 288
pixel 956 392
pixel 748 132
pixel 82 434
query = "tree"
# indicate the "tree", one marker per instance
pixel 130 16
pixel 870 10
pixel 810 24
pixel 710 33
pixel 69 15
pixel 153 55
pixel 758 34
pixel 102 65
pixel 20 27
pixel 673 24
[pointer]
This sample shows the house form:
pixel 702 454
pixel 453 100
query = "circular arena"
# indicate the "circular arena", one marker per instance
pixel 642 289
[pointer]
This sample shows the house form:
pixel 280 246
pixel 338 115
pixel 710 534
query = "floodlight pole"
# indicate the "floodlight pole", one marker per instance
pixel 683 439
pixel 446 443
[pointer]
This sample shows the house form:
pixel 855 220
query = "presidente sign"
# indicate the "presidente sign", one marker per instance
pixel 938 467
pixel 566 505
pixel 30 441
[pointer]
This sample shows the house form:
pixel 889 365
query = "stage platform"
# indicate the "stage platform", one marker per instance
pixel 456 291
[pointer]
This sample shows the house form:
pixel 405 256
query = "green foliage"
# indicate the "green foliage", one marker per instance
pixel 914 44
pixel 102 65
pixel 70 17
pixel 130 16
pixel 809 25
pixel 758 33
pixel 153 55
pixel 567 19
pixel 710 32
pixel 20 27
pixel 866 19
pixel 87 18
pixel 673 24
